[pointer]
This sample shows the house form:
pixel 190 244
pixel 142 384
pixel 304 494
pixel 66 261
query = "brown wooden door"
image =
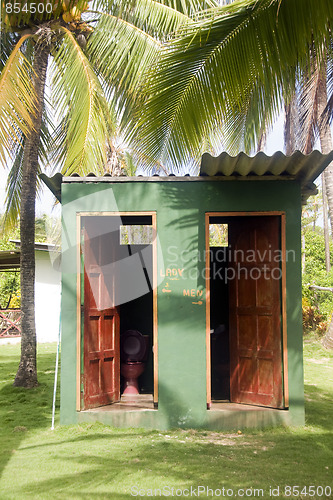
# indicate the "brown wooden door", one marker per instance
pixel 101 324
pixel 254 311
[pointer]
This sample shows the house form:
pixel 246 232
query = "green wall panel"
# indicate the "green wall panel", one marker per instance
pixel 180 208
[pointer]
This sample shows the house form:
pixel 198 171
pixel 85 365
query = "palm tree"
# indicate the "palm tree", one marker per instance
pixel 312 111
pixel 227 76
pixel 92 62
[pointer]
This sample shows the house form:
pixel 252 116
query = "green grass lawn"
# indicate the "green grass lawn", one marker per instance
pixel 100 462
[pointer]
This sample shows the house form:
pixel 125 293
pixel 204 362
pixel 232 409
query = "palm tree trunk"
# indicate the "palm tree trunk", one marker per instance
pixel 326 146
pixel 326 229
pixel 290 127
pixel 27 372
pixel 325 137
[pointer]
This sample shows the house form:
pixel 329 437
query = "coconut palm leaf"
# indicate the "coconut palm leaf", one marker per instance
pixel 307 104
pixel 122 53
pixel 212 72
pixel 190 8
pixel 80 99
pixel 313 93
pixel 328 114
pixel 16 100
pixel 8 41
pixel 151 16
pixel 128 164
pixel 13 189
pixel 125 43
pixel 14 180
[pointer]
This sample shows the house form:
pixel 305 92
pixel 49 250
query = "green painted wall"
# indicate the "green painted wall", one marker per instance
pixel 180 208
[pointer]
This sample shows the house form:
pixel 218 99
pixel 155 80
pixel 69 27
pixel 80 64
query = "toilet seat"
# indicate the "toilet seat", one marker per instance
pixel 132 346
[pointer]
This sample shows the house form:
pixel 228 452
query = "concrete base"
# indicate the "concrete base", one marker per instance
pixel 140 413
pixel 230 416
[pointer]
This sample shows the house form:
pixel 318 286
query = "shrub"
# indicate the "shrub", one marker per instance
pixel 15 301
pixel 313 320
pixel 317 305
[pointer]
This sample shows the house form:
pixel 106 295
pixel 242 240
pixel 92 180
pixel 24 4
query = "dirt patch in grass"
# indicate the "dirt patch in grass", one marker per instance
pixel 321 361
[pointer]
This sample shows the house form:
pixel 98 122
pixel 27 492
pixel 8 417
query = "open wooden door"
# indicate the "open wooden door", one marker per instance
pixel 254 311
pixel 101 320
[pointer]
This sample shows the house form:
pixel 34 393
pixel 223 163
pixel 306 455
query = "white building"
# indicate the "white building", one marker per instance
pixel 47 289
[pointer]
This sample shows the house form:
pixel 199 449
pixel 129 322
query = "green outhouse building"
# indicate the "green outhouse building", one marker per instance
pixel 181 296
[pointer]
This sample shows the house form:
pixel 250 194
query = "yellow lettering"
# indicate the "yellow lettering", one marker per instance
pixel 199 293
pixel 193 292
pixel 186 292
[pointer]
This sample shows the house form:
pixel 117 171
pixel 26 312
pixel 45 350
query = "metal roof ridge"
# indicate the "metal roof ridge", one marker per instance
pixel 38 246
pixel 278 153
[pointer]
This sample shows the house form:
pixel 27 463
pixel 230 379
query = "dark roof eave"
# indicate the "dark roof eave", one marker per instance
pixel 53 183
pixel 9 260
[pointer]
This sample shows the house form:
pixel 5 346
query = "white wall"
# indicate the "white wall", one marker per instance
pixel 48 291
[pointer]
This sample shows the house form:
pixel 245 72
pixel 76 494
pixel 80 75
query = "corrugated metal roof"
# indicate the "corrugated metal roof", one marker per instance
pixel 302 168
pixel 44 247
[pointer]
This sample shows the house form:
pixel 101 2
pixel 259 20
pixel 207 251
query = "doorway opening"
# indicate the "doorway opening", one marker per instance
pixel 117 296
pixel 245 309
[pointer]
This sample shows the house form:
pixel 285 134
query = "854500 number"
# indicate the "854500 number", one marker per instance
pixel 32 8
pixel 311 491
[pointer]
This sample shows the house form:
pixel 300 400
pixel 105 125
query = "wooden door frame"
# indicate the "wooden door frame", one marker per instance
pixel 282 216
pixel 79 215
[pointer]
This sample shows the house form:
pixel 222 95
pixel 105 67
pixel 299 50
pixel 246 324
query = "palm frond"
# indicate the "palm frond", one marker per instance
pixel 14 179
pixel 210 74
pixel 13 189
pixel 190 8
pixel 127 164
pixel 125 44
pixel 80 99
pixel 151 16
pixel 8 40
pixel 328 113
pixel 121 53
pixel 308 109
pixel 17 103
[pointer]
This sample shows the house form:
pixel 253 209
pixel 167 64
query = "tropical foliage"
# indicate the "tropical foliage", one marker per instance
pixel 9 281
pixel 315 274
pixel 9 290
pixel 317 305
pixel 96 61
pixel 72 76
pixel 69 75
pixel 225 78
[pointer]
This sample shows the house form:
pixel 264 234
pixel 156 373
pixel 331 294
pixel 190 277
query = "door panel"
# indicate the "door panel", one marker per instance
pixel 101 323
pixel 254 302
